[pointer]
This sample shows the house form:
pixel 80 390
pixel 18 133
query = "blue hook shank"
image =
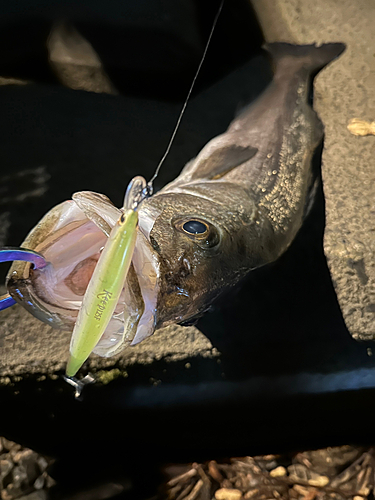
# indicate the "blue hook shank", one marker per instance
pixel 6 301
pixel 9 254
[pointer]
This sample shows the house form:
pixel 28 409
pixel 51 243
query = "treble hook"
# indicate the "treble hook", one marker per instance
pixel 9 254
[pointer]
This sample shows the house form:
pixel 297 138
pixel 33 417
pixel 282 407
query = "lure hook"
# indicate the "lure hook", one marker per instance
pixel 9 254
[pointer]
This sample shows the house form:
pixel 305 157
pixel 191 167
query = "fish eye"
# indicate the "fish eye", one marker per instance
pixel 200 231
pixel 122 218
pixel 195 227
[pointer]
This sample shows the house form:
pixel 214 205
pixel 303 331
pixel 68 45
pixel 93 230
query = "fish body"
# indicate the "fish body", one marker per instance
pixel 250 184
pixel 235 207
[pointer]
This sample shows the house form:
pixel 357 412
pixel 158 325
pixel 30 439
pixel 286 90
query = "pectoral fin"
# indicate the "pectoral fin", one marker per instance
pixel 218 157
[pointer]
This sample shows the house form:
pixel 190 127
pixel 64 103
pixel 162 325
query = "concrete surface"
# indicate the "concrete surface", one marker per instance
pixel 343 91
pixel 18 356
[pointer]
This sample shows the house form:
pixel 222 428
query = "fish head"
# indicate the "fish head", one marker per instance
pixel 192 244
pixel 206 236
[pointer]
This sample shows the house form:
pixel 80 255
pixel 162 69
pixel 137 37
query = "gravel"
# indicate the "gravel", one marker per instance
pixel 23 472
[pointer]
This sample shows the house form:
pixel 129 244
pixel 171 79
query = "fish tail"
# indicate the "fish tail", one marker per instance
pixel 310 57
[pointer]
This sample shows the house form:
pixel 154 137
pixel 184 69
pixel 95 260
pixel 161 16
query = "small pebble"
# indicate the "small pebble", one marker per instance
pixel 319 481
pixel 5 467
pixel 5 495
pixel 42 463
pixel 251 493
pixel 364 492
pixel 226 484
pixel 21 455
pixel 278 472
pixel 9 445
pixel 39 483
pixel 228 494
pixel 357 126
pixel 300 471
pixel 301 490
pixel 214 471
pixel 20 478
pixel 22 471
pixel 14 450
pixel 49 482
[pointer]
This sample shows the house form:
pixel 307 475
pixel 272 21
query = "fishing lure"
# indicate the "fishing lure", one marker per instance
pixel 107 281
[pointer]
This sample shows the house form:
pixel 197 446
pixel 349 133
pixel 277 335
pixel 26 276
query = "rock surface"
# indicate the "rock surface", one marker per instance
pixel 343 91
pixel 23 472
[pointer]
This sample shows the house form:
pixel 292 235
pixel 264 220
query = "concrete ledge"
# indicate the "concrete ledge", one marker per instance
pixel 343 91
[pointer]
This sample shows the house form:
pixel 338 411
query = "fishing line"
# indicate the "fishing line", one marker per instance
pixel 150 183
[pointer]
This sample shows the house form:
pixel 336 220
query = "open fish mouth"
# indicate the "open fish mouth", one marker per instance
pixel 71 237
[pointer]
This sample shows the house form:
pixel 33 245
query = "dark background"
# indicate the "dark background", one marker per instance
pixel 290 376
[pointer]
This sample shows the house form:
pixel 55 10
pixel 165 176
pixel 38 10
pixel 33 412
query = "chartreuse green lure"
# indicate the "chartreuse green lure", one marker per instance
pixel 107 281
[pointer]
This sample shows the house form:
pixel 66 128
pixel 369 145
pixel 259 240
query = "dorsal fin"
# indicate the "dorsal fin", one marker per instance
pixel 218 157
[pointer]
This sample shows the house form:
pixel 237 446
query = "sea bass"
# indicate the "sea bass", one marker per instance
pixel 235 207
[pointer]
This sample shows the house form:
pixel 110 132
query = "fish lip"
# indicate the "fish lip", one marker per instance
pixel 19 289
pixel 19 278
pixel 146 262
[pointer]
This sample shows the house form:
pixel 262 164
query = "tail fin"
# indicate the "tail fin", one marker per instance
pixel 311 57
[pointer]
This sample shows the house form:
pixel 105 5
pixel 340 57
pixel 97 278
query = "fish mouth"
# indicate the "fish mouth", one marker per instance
pixel 71 237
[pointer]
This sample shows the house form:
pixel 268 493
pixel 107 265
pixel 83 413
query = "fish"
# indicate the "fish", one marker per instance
pixel 235 207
